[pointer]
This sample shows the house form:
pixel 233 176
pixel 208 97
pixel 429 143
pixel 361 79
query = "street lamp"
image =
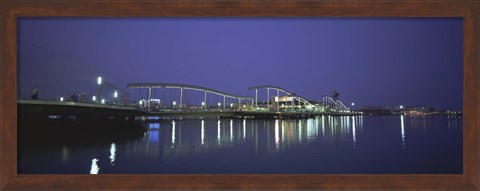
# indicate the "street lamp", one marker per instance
pixel 353 104
pixel 99 82
pixel 231 105
pixel 401 106
pixel 203 104
pixel 61 98
pixel 219 104
pixel 115 94
pixel 94 98
pixel 174 103
pixel 103 101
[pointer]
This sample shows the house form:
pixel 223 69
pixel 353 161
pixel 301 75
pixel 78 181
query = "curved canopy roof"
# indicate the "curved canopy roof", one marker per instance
pixel 185 86
pixel 270 87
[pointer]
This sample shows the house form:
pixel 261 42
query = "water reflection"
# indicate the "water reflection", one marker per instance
pixel 218 132
pixel 244 129
pixel 261 138
pixel 113 149
pixel 402 126
pixel 287 133
pixel 94 168
pixel 203 132
pixel 354 132
pixel 277 135
pixel 173 134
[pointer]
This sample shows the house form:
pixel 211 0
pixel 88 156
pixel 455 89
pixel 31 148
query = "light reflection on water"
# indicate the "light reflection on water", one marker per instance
pixel 272 136
pixel 268 142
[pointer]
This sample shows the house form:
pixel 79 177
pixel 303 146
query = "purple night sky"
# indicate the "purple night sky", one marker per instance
pixel 370 61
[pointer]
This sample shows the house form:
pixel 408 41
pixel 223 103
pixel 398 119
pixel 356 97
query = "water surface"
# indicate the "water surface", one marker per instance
pixel 321 145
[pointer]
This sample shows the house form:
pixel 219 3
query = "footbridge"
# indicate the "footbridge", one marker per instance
pixel 275 99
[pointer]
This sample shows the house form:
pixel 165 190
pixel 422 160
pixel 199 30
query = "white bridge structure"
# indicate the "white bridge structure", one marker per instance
pixel 277 99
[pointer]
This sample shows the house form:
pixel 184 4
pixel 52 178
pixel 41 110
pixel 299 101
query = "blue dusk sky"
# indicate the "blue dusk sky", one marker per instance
pixel 370 61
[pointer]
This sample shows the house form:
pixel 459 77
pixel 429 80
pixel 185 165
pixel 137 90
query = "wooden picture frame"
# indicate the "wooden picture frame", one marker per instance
pixel 11 10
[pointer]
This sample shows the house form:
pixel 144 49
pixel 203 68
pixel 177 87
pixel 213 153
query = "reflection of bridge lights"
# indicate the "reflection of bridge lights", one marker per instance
pixel 402 132
pixel 94 168
pixel 113 149
pixel 277 135
pixel 231 130
pixel 203 132
pixel 218 132
pixel 173 133
pixel 244 129
pixel 354 133
pixel 300 131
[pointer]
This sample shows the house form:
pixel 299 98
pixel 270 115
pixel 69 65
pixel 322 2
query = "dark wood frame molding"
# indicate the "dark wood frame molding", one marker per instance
pixel 10 10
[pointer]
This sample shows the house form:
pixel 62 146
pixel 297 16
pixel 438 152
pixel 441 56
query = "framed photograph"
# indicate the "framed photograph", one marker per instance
pixel 239 95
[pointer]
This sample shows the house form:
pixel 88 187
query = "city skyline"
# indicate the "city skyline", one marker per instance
pixel 371 61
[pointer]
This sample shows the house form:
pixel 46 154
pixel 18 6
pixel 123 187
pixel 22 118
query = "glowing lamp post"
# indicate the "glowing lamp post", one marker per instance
pixel 61 98
pixel 203 104
pixel 99 82
pixel 174 103
pixel 94 98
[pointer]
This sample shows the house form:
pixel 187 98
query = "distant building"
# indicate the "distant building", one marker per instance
pixel 376 110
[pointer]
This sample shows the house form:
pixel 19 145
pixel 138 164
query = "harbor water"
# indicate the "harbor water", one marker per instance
pixel 395 144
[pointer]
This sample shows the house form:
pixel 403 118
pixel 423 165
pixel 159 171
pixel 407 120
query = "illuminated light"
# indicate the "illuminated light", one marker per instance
pixel 276 98
pixel 203 132
pixel 244 106
pixel 219 104
pixel 94 168
pixel 203 103
pixel 218 132
pixel 103 101
pixel 231 105
pixel 354 132
pixel 231 130
pixel 401 106
pixel 115 94
pixel 174 103
pixel 173 133
pixel 283 131
pixel 94 98
pixel 353 104
pixel 113 149
pixel 61 98
pixel 402 131
pixel 99 80
pixel 140 102
pixel 300 130
pixel 244 128
pixel 277 135
pixel 154 126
